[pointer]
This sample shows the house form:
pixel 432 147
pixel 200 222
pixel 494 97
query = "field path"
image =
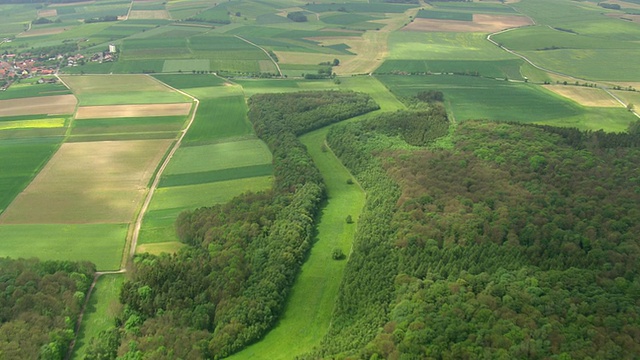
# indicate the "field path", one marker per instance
pixel 265 51
pixel 133 242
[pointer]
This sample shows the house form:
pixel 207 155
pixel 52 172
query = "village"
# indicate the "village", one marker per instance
pixel 18 66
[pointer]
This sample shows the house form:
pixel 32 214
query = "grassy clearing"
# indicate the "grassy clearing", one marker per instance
pixel 193 159
pixel 20 161
pixel 121 89
pixel 217 119
pixel 168 202
pixel 94 182
pixel 101 311
pixel 101 244
pixel 307 314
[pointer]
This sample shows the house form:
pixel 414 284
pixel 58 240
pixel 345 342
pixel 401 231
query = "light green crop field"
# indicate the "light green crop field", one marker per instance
pixel 407 45
pixel 469 97
pixel 186 65
pixel 100 313
pixel 127 125
pixel 32 89
pixel 193 159
pixel 101 244
pixel 33 124
pixel 168 202
pixel 190 81
pixel 217 119
pixel 489 68
pixel 121 89
pixel 307 314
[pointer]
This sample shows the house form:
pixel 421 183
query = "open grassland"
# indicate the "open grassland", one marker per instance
pixel 20 161
pixel 307 314
pixel 128 126
pixel 144 110
pixel 470 97
pixel 479 23
pixel 101 244
pixel 49 105
pixel 32 89
pixel 219 118
pixel 407 45
pixel 584 95
pixel 94 182
pixel 101 312
pixel 489 68
pixel 168 202
pixel 235 154
pixel 628 97
pixel 33 124
pixel 121 89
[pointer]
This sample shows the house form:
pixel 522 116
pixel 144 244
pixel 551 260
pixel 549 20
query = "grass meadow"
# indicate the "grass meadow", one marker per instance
pixel 217 119
pixel 121 89
pixel 128 126
pixel 32 89
pixel 307 314
pixel 409 45
pixel 101 244
pixel 101 312
pixel 490 68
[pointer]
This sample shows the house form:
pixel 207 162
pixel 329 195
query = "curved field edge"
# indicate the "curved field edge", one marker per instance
pixel 307 315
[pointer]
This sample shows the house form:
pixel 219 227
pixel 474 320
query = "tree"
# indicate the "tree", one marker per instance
pixel 335 62
pixel 630 107
pixel 337 254
pixel 349 220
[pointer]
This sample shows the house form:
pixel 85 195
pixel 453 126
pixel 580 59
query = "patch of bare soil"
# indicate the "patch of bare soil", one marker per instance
pixel 481 23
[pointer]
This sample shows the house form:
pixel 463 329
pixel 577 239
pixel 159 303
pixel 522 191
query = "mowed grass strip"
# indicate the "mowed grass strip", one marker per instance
pixel 101 244
pixel 101 312
pixel 307 314
pixel 94 182
pixel 121 89
pixel 218 119
pixel 194 159
pixel 168 202
pixel 20 161
pixel 217 175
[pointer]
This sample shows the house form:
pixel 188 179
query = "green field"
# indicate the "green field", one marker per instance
pixel 469 97
pixel 101 244
pixel 189 81
pixel 443 46
pixel 445 15
pixel 20 161
pixel 217 119
pixel 307 314
pixel 32 89
pixel 128 126
pixel 492 69
pixel 121 89
pixel 101 312
pixel 168 202
pixel 356 7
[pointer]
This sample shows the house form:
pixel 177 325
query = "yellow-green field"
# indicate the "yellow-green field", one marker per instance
pixel 32 124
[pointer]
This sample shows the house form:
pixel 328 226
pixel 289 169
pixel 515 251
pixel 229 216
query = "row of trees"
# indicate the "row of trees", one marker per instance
pixel 228 286
pixel 517 243
pixel 39 306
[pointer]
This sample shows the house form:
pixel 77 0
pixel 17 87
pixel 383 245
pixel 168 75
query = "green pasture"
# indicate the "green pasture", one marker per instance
pixel 215 14
pixel 101 244
pixel 347 19
pixel 409 45
pixel 149 48
pixel 148 5
pixel 469 97
pixel 359 7
pixel 168 247
pixel 189 81
pixel 13 18
pixel 234 173
pixel 135 67
pixel 121 89
pixel 20 161
pixel 219 118
pixel 545 38
pixel 185 9
pixel 190 65
pixel 219 156
pixel 158 135
pixel 307 314
pixel 128 125
pixel 168 202
pixel 445 15
pixel 101 312
pixel 33 89
pixel 476 7
pixel 492 69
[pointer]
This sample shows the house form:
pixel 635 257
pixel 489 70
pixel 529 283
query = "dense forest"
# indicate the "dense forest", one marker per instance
pixel 227 288
pixel 39 306
pixel 514 242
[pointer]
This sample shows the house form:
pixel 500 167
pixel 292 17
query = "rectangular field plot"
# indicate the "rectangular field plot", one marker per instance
pixel 180 65
pixel 140 110
pixel 407 45
pixel 33 124
pixel 190 81
pixel 585 96
pixel 192 159
pixel 101 244
pixel 168 202
pixel 128 126
pixel 47 105
pixel 94 182
pixel 17 91
pixel 217 119
pixel 121 89
pixel 492 69
pixel 445 15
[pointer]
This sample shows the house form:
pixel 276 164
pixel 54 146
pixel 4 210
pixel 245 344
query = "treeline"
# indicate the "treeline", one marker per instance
pixel 39 306
pixel 516 243
pixel 297 16
pixel 228 287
